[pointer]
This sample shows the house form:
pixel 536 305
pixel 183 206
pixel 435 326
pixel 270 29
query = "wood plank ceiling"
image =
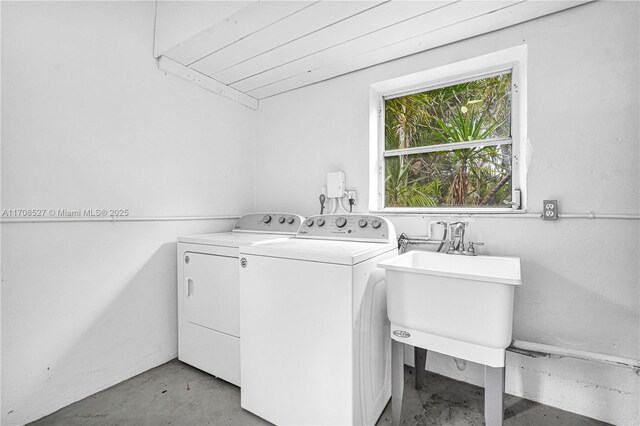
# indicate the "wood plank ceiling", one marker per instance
pixel 270 47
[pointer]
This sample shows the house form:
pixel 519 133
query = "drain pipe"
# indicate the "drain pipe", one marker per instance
pixel 539 350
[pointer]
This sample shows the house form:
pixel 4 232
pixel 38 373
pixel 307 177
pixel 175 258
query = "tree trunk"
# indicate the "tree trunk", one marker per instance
pixel 495 189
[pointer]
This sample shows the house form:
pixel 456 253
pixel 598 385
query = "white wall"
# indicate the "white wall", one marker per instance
pixel 581 276
pixel 89 122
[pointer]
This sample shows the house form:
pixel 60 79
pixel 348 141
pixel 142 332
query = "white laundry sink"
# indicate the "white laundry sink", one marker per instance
pixel 455 304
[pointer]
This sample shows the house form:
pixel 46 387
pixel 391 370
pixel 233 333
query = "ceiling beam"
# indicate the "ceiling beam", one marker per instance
pixel 172 67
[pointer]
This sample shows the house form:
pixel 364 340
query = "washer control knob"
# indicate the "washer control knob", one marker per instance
pixel 340 222
pixel 309 222
pixel 281 219
pixel 290 220
pixel 376 223
pixel 266 218
pixel 320 222
pixel 362 223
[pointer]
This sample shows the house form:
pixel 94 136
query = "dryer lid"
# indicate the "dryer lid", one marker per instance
pixel 251 228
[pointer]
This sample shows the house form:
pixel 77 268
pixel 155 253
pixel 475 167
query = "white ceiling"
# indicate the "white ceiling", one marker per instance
pixel 260 49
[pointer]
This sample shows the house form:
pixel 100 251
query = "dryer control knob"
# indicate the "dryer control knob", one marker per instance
pixel 309 222
pixel 340 222
pixel 281 219
pixel 290 220
pixel 266 218
pixel 320 222
pixel 362 223
pixel 376 223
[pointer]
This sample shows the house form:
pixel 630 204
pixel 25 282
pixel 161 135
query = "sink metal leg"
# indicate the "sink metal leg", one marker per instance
pixel 493 395
pixel 397 380
pixel 420 361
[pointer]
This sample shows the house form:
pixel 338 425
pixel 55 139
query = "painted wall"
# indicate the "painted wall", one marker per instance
pixel 88 122
pixel 581 276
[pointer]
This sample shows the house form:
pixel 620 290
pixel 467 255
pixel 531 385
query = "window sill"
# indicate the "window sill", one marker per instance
pixel 488 212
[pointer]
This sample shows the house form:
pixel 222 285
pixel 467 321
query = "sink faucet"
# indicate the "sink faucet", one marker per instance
pixel 456 237
pixel 452 233
pixel 456 240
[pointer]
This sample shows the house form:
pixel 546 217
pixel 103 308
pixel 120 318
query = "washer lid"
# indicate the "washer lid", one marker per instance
pixel 324 251
pixel 232 239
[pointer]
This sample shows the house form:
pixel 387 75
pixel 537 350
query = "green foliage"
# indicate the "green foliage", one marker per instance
pixel 401 193
pixel 465 125
pixel 468 111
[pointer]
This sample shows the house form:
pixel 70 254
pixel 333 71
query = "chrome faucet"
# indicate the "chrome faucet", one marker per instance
pixel 456 237
pixel 456 240
pixel 452 233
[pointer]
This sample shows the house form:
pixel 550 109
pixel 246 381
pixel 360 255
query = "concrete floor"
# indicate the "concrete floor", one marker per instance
pixel 178 394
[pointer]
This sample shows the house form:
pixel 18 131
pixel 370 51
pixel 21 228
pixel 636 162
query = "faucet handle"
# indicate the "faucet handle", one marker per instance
pixel 472 249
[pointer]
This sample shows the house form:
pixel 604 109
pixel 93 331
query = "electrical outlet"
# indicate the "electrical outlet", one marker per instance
pixel 550 210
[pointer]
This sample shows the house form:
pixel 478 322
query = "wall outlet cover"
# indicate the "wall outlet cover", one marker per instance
pixel 550 210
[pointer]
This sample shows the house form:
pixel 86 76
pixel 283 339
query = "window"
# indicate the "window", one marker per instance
pixel 450 138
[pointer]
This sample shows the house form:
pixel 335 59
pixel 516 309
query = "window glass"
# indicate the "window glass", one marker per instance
pixel 437 171
pixel 476 177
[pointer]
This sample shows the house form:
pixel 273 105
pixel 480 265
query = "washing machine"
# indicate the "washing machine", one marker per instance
pixel 315 343
pixel 208 291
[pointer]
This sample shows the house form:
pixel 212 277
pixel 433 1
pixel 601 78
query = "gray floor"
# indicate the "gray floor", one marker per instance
pixel 178 394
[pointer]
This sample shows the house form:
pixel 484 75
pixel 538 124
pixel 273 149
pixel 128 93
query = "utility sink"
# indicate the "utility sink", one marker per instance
pixel 458 305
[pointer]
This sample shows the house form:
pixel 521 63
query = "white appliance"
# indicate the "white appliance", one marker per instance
pixel 208 291
pixel 313 319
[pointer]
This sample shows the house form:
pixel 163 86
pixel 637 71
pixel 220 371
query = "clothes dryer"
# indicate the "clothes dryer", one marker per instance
pixel 315 343
pixel 208 291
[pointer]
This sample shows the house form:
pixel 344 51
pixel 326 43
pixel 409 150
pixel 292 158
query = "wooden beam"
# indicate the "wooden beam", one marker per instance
pixel 360 25
pixel 341 61
pixel 256 16
pixel 307 21
pixel 384 39
pixel 172 67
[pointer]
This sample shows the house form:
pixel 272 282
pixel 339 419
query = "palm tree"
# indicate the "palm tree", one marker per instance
pixel 472 110
pixel 466 125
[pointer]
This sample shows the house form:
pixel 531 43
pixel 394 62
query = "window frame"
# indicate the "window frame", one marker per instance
pixel 508 60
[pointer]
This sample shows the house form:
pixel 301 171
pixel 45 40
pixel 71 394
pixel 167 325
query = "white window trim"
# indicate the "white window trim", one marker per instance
pixel 514 59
